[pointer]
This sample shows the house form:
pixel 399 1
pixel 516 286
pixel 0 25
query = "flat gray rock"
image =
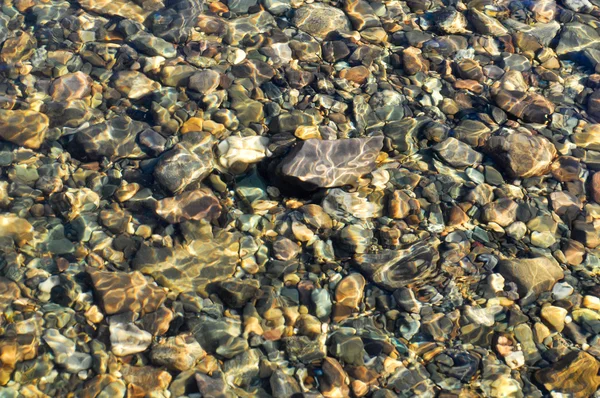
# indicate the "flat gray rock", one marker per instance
pixel 327 164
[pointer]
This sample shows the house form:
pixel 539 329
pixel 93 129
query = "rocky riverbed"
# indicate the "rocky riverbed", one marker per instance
pixel 287 198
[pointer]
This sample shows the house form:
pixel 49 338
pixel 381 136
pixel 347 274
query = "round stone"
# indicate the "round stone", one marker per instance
pixel 320 19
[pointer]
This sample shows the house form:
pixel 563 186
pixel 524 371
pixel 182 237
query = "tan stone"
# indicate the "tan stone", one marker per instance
pixel 23 127
pixel 574 375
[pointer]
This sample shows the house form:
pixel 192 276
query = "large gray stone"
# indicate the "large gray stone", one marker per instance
pixel 326 164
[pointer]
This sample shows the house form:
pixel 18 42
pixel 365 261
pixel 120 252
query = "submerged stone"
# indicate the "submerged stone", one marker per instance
pixel 24 128
pixel 393 269
pixel 327 164
pixel 193 267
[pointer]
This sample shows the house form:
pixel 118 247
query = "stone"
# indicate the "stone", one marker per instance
pixel 574 252
pixel 238 152
pixel 127 339
pixel 576 37
pixel 413 61
pixel 192 267
pixel 241 6
pixel 348 296
pixel 327 164
pixel 588 233
pixel 530 107
pixel 285 249
pixel 595 187
pixel 319 19
pixel 14 349
pixel 393 269
pixel 236 293
pixel 485 24
pixel 277 7
pixel 9 291
pixel 199 204
pixel 18 48
pixel 575 374
pixel 145 42
pixel 215 334
pixel 565 203
pixel 177 353
pixel 457 153
pixel 451 21
pixel 522 155
pixel 23 127
pixel 333 382
pixel 186 163
pixel 175 21
pixel 204 82
pixel 134 85
pixel 120 292
pixel 543 239
pixel 566 169
pixel 114 139
pixel 72 86
pixel 104 385
pixel 283 385
pixel 589 138
pixel 305 350
pixel 247 110
pixel 16 228
pixel 176 75
pixel 502 211
pixel 121 8
pixel 398 205
pixel 145 380
pixel 554 317
pixel 543 11
pixel 532 275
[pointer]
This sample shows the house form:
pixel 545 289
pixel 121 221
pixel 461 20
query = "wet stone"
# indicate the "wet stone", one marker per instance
pixel 502 211
pixel 393 269
pixel 9 291
pixel 120 292
pixel 530 107
pixel 576 37
pixel 204 82
pixel 522 155
pixel 113 139
pixel 24 128
pixel 145 379
pixel 187 162
pixel 191 268
pixel 178 353
pixel 319 20
pixel 575 374
pixel 200 204
pixel 134 85
pixel 214 334
pixel 175 21
pixel 127 339
pixel 595 187
pixel 72 86
pixel 120 8
pixel 457 153
pixel 326 164
pixel 587 233
pixel 19 230
pixel 236 293
pixel 532 276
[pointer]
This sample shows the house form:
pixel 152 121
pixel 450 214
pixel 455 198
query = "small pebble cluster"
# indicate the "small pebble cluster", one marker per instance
pixel 297 198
